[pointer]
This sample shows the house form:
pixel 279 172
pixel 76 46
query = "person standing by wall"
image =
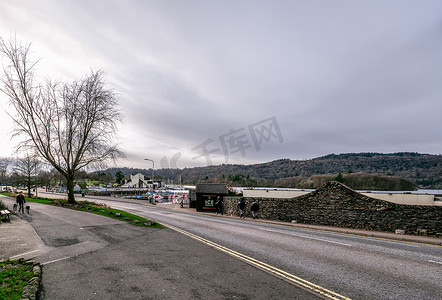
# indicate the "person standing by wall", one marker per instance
pixel 20 200
pixel 241 207
pixel 254 208
pixel 219 205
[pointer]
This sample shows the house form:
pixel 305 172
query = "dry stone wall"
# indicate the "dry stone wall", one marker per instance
pixel 334 204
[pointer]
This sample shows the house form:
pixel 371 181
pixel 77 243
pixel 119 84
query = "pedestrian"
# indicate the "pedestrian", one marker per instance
pixel 254 208
pixel 241 207
pixel 219 205
pixel 21 201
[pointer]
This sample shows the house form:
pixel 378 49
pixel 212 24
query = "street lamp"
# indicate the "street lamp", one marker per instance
pixel 153 168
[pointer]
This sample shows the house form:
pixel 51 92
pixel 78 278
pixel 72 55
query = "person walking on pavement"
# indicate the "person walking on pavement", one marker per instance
pixel 21 202
pixel 219 205
pixel 241 207
pixel 254 208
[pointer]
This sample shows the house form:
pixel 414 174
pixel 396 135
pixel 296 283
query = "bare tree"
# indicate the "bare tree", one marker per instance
pixel 50 178
pixel 71 125
pixel 4 162
pixel 28 168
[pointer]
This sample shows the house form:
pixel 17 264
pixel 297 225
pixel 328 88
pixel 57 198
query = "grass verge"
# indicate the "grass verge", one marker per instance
pixel 14 276
pixel 96 208
pixel 101 209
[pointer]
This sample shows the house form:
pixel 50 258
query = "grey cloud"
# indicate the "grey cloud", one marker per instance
pixel 339 76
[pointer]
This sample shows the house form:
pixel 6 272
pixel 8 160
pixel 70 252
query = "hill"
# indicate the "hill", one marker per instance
pixel 423 170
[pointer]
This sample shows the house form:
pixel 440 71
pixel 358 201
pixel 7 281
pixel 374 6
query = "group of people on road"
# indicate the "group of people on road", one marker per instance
pixel 241 206
pixel 254 208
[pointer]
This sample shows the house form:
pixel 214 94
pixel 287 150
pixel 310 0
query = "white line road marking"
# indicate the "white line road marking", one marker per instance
pixel 396 243
pixel 18 255
pixel 436 262
pixel 305 236
pixel 55 260
pixel 268 268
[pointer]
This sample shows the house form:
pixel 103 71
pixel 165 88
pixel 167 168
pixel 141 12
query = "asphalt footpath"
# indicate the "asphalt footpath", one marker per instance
pixel 87 256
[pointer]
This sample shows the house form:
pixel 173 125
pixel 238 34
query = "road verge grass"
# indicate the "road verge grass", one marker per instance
pixel 14 276
pixel 96 208
pixel 104 210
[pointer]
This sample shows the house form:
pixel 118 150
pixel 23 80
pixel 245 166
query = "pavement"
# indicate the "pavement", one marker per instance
pixel 88 256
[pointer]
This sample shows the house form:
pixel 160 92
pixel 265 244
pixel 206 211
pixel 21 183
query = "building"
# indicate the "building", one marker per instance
pixel 206 194
pixel 139 181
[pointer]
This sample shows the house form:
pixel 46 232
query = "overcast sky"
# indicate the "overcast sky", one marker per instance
pixel 210 82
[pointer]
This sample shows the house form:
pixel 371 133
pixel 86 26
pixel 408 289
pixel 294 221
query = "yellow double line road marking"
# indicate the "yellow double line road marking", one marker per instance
pixel 261 265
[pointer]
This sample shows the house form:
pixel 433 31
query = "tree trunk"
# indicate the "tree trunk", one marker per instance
pixel 70 188
pixel 29 187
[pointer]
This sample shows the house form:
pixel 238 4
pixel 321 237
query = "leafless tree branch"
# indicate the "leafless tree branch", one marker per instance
pixel 70 125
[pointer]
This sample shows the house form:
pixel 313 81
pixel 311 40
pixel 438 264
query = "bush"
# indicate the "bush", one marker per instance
pixel 339 178
pixel 2 205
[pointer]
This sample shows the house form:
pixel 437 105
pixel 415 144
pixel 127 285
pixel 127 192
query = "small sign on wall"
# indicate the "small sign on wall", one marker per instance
pixel 209 201
pixel 207 193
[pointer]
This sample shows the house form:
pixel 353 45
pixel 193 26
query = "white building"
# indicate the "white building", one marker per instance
pixel 139 181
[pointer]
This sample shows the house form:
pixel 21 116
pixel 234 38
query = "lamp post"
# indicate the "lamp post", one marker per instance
pixel 153 168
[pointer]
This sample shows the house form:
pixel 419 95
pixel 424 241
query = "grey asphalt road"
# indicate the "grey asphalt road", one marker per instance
pixel 354 266
pixel 86 256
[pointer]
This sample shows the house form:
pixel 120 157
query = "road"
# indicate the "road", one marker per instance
pixel 336 264
pixel 354 266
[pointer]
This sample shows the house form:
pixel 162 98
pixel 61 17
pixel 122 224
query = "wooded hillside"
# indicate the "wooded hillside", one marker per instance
pixel 423 170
